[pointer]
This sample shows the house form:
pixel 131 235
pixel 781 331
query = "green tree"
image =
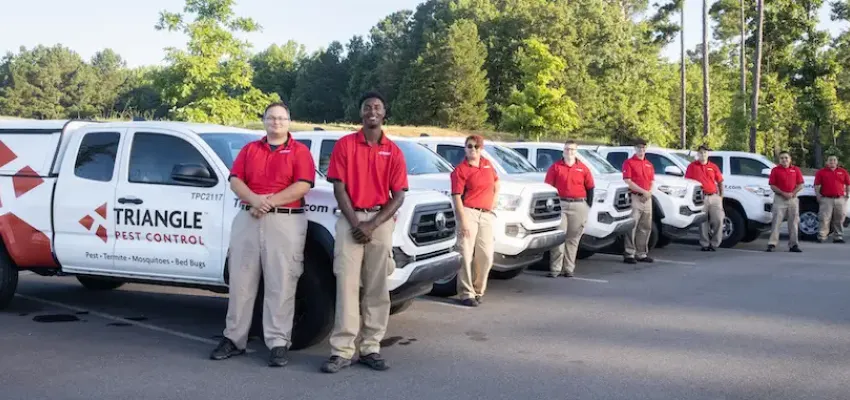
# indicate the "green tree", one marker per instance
pixel 276 68
pixel 211 81
pixel 539 107
pixel 320 86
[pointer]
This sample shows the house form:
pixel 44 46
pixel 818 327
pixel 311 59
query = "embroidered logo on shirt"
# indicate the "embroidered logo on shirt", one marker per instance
pixel 384 153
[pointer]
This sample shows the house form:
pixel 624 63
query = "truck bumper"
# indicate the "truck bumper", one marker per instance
pixel 596 244
pixel 537 247
pixel 421 275
pixel 678 233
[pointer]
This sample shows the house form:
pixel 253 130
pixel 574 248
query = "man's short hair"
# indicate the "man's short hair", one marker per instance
pixel 703 147
pixel 276 104
pixel 372 95
pixel 477 139
pixel 639 142
pixel 569 142
pixel 785 152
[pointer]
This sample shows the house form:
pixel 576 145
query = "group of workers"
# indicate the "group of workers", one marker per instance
pixel 272 175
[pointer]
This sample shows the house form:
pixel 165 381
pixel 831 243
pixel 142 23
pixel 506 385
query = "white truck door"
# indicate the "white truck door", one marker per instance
pixel 168 206
pixel 82 207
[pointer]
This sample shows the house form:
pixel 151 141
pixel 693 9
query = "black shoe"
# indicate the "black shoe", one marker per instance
pixel 796 249
pixel 705 249
pixel 469 302
pixel 770 248
pixel 838 241
pixel 374 361
pixel 335 364
pixel 226 349
pixel 278 357
pixel 630 260
pixel 712 248
pixel 645 260
pixel 478 299
pixel 568 275
pixel 553 275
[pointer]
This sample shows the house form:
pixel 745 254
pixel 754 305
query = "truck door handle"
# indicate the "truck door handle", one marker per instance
pixel 125 200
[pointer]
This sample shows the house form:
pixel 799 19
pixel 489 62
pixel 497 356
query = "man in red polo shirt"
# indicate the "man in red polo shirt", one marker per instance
pixel 709 175
pixel 639 174
pixel 271 176
pixel 369 175
pixel 574 183
pixel 832 185
pixel 475 185
pixel 786 180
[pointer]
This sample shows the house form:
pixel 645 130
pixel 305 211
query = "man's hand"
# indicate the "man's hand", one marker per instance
pixel 366 228
pixel 256 213
pixel 464 230
pixel 259 202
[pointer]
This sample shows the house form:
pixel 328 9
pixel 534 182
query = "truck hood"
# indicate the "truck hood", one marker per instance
pixel 672 181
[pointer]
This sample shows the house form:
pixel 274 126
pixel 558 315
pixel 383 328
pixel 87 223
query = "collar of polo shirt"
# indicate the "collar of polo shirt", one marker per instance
pixel 285 145
pixel 361 136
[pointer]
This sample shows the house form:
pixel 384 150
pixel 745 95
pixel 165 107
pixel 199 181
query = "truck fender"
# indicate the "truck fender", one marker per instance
pixel 657 212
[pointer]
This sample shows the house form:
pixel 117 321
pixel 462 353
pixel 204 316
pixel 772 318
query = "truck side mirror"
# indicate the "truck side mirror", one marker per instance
pixel 193 174
pixel 765 172
pixel 673 170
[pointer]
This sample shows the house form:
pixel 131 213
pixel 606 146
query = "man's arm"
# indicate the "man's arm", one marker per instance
pixel 496 188
pixel 245 194
pixel 344 204
pixel 634 186
pixel 390 209
pixel 293 192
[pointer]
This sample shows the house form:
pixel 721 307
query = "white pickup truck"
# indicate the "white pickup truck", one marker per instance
pixel 528 215
pixel 150 202
pixel 751 171
pixel 610 216
pixel 677 203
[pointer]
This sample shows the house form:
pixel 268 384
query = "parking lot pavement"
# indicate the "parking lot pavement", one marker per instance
pixel 737 323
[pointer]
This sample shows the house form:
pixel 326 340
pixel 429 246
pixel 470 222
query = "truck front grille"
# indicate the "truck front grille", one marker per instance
pixel 622 199
pixel 545 207
pixel 433 223
pixel 699 195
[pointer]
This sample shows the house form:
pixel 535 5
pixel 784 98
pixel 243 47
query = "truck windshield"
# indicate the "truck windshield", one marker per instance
pixel 511 161
pixel 421 160
pixel 227 145
pixel 596 162
pixel 682 158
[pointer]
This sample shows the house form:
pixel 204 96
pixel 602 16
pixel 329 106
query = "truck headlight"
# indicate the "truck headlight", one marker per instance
pixel 675 191
pixel 599 195
pixel 515 230
pixel 759 190
pixel 508 202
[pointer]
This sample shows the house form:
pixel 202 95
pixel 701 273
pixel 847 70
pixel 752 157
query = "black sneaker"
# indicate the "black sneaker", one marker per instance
pixel 645 260
pixel 226 349
pixel 712 248
pixel 838 241
pixel 630 260
pixel 705 249
pixel 469 302
pixel 553 275
pixel 374 361
pixel 335 364
pixel 568 274
pixel 770 248
pixel 796 249
pixel 278 357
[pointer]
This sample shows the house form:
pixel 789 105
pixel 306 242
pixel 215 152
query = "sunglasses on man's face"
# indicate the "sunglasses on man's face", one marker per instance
pixel 473 146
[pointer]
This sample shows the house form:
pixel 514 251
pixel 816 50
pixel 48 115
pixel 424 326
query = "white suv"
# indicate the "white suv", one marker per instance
pixel 677 203
pixel 528 216
pixel 610 216
pixel 751 171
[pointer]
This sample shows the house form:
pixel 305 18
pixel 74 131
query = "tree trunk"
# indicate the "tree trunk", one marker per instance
pixel 743 57
pixel 705 97
pixel 683 136
pixel 754 107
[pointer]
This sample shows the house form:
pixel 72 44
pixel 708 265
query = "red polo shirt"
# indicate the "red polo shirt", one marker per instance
pixel 571 182
pixel 708 175
pixel 475 185
pixel 832 182
pixel 641 172
pixel 369 172
pixel 268 171
pixel 786 179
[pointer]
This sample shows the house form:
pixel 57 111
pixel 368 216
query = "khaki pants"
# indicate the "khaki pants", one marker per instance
pixel 273 246
pixel 782 209
pixel 573 219
pixel 637 239
pixel 365 266
pixel 477 253
pixel 714 209
pixel 831 215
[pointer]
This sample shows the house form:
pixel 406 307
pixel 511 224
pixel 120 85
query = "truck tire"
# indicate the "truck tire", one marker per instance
pixel 809 223
pixel 400 307
pixel 315 301
pixel 751 236
pixel 505 275
pixel 734 228
pixel 582 254
pixel 662 242
pixel 445 288
pixel 8 279
pixel 654 234
pixel 98 284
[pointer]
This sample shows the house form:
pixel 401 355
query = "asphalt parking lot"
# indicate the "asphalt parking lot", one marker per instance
pixel 734 324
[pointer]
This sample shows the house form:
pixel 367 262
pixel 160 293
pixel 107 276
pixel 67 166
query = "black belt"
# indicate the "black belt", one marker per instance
pixel 480 209
pixel 279 210
pixel 710 194
pixel 573 200
pixel 372 209
pixel 832 197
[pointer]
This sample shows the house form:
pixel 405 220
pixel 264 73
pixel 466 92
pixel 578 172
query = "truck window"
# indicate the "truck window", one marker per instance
pixel 96 158
pixel 659 162
pixel 325 154
pixel 524 152
pixel 718 161
pixel 421 160
pixel 547 157
pixel 306 142
pixel 453 154
pixel 510 161
pixel 616 158
pixel 746 166
pixel 153 157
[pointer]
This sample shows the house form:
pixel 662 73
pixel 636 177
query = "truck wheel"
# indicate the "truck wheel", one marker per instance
pixel 315 300
pixel 654 234
pixel 99 284
pixel 582 254
pixel 734 228
pixel 751 236
pixel 8 279
pixel 400 307
pixel 809 223
pixel 662 242
pixel 445 288
pixel 505 275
